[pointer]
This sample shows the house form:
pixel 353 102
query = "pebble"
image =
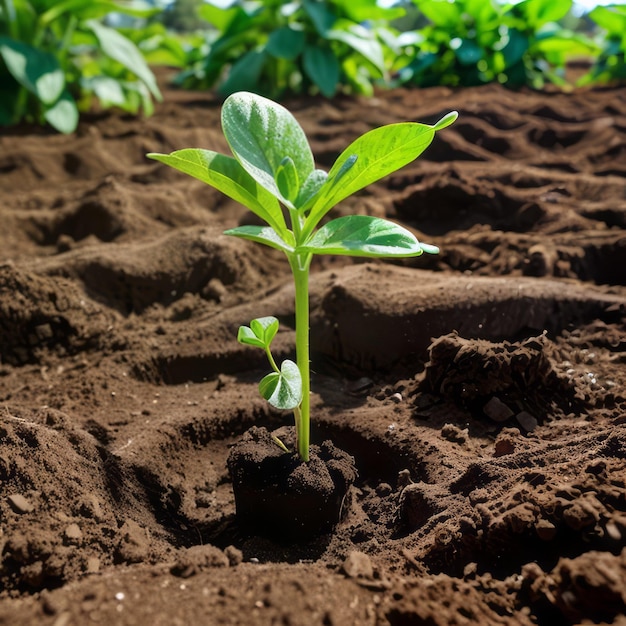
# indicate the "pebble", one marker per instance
pixel 20 504
pixel 545 529
pixel 527 421
pixel 613 531
pixel 496 410
pixel 93 565
pixel 358 565
pixel 73 533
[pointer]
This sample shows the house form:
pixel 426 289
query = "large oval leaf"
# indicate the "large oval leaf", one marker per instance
pixel 362 235
pixel 226 174
pixel 261 133
pixel 283 390
pixel 371 157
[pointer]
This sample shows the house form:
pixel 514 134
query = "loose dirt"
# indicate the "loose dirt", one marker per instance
pixel 481 391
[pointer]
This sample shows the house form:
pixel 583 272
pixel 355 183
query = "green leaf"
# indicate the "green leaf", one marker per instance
pixel 125 52
pixel 540 12
pixel 287 179
pixel 247 337
pixel 85 9
pixel 36 70
pixel 284 390
pixel 378 153
pixel 446 120
pixel 322 18
pixel 261 133
pixel 226 174
pixel 322 67
pixel 611 18
pixel 265 327
pixel 265 235
pixel 245 73
pixel 285 43
pixel 362 235
pixel 260 333
pixel 444 14
pixel 63 114
pixel 468 52
pixel 220 17
pixel 310 187
pixel 362 41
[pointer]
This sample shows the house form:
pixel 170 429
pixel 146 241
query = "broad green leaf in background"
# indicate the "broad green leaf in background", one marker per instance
pixel 283 390
pixel 63 114
pixel 467 52
pixel 322 19
pixel 38 71
pixel 540 12
pixel 90 9
pixel 286 43
pixel 261 133
pixel 245 73
pixel 226 174
pixel 440 12
pixel 361 40
pixel 107 89
pixel 365 10
pixel 126 53
pixel 221 18
pixel 363 235
pixel 322 67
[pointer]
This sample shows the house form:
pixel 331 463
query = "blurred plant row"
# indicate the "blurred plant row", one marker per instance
pixel 58 58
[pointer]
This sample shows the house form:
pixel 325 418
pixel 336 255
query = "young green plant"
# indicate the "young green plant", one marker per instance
pixel 273 166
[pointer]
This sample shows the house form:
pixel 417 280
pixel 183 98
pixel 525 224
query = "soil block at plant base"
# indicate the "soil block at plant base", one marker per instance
pixel 280 496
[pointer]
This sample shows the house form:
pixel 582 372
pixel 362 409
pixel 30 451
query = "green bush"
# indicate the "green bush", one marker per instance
pixel 472 42
pixel 56 57
pixel 304 46
pixel 610 65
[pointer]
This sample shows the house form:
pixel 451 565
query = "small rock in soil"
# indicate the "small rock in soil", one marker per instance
pixel 358 565
pixel 545 529
pixel 20 504
pixel 195 559
pixel 496 410
pixel 134 545
pixel 527 421
pixel 73 533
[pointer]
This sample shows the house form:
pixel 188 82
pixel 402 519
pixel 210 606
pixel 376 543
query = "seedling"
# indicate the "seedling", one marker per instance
pixel 273 166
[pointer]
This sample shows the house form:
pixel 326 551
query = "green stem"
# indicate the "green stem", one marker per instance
pixel 300 268
pixel 270 358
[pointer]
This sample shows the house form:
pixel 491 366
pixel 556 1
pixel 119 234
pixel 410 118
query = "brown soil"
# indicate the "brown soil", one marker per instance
pixel 481 392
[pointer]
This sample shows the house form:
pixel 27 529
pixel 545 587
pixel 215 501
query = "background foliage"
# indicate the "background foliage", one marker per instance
pixel 58 58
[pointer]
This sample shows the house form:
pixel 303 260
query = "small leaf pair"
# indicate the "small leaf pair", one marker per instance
pixel 282 388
